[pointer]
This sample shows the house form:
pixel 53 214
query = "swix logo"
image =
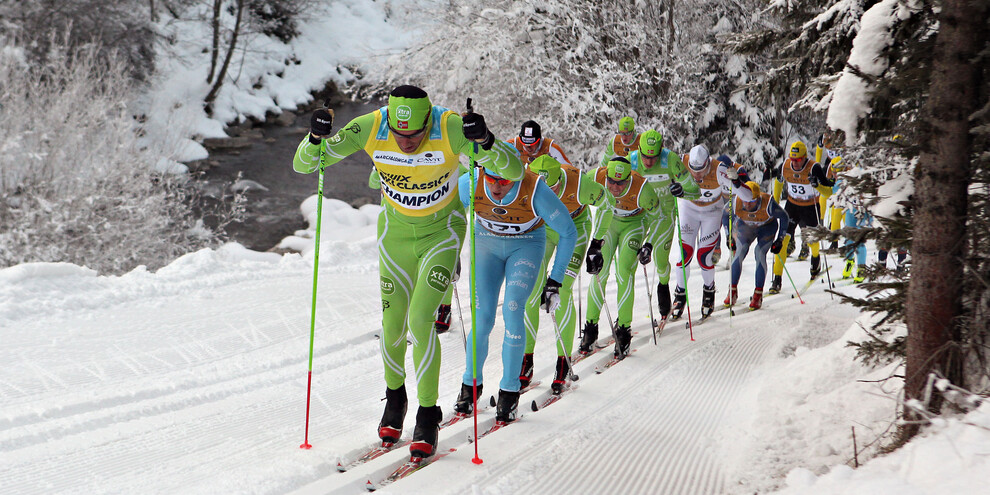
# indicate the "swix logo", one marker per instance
pixel 388 287
pixel 499 211
pixel 439 278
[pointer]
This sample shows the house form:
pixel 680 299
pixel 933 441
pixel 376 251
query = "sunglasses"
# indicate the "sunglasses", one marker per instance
pixel 616 182
pixel 497 180
pixel 629 133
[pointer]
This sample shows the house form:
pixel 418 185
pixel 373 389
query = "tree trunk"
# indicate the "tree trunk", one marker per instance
pixel 941 179
pixel 216 40
pixel 230 53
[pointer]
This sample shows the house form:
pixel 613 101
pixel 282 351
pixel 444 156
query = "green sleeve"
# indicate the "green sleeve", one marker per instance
pixel 503 159
pixel 590 192
pixel 649 201
pixel 374 180
pixel 609 152
pixel 344 143
pixel 680 173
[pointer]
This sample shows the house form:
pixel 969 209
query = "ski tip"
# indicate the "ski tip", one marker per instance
pixel 341 468
pixel 534 407
pixel 491 400
pixel 575 378
pixel 370 486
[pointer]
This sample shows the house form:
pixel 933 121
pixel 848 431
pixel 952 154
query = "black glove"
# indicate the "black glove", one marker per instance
pixel 732 244
pixel 645 253
pixel 776 246
pixel 320 124
pixel 813 180
pixel 594 259
pixel 677 190
pixel 550 299
pixel 475 129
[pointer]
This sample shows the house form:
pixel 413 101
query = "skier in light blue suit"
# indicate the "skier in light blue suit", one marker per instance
pixel 509 243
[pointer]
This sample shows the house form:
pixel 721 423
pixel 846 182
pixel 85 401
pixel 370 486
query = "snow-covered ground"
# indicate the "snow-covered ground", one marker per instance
pixel 193 380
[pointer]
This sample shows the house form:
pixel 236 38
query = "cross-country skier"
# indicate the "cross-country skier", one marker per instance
pixel 634 204
pixel 577 191
pixel 700 223
pixel 800 177
pixel 731 175
pixel 761 220
pixel 415 147
pixel 509 242
pixel 661 168
pixel 623 143
pixel 530 143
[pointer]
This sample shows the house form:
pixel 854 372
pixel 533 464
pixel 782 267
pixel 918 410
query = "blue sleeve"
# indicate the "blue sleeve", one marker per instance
pixel 555 214
pixel 464 189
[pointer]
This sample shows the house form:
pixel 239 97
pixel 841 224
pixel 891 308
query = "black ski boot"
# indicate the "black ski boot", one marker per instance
pixel 560 376
pixel 663 299
pixel 465 399
pixel 506 409
pixel 623 337
pixel 427 431
pixel 803 254
pixel 816 266
pixel 589 338
pixel 526 375
pixel 775 285
pixel 680 299
pixel 443 319
pixel 390 428
pixel 707 300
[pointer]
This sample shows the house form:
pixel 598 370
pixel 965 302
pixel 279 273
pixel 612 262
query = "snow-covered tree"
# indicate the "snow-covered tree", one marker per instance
pixel 577 67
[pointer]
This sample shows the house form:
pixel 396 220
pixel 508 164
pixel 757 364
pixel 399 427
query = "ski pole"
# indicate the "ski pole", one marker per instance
pixel 788 272
pixel 474 297
pixel 460 315
pixel 732 302
pixel 649 300
pixel 680 240
pixel 567 352
pixel 316 272
pixel 824 258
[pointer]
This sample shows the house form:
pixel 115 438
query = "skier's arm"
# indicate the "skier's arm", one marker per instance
pixel 348 140
pixel 821 176
pixel 558 153
pixel 778 189
pixel 735 186
pixel 555 214
pixel 374 180
pixel 593 193
pixel 680 174
pixel 464 189
pixel 609 152
pixel 782 219
pixel 502 159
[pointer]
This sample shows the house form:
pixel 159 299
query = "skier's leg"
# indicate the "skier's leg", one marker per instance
pixel 596 289
pixel 533 305
pixel 396 269
pixel 661 252
pixel 625 269
pixel 489 272
pixel 524 255
pixel 566 313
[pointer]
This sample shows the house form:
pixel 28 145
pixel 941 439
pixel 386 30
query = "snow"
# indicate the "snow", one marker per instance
pixel 192 379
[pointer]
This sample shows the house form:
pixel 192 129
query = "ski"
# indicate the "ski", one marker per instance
pixel 536 406
pixel 804 290
pixel 409 467
pixel 580 357
pixel 371 455
pixel 612 362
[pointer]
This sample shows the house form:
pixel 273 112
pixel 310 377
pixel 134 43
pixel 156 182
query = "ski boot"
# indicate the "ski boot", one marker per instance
pixel 623 337
pixel 526 375
pixel 443 319
pixel 427 431
pixel 390 427
pixel 833 248
pixel 847 271
pixel 680 300
pixel 560 376
pixel 816 266
pixel 507 408
pixel 716 255
pixel 731 298
pixel 663 299
pixel 465 399
pixel 790 248
pixel 707 300
pixel 803 254
pixel 589 338
pixel 775 284
pixel 757 301
pixel 860 274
